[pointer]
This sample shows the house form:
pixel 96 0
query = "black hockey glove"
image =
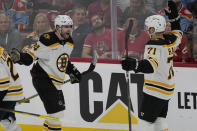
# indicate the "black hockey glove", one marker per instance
pixel 172 11
pixel 75 78
pixel 129 64
pixel 173 15
pixel 75 75
pixel 15 55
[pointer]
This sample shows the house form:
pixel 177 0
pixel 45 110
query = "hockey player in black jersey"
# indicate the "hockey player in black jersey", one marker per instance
pixel 157 66
pixel 52 53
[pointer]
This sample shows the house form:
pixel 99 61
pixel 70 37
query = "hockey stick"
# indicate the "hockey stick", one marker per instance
pixel 127 73
pixel 30 114
pixel 90 69
pixel 26 99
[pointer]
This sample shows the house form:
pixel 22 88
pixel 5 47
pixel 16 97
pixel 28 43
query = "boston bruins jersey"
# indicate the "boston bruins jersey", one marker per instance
pixel 9 78
pixel 160 53
pixel 52 55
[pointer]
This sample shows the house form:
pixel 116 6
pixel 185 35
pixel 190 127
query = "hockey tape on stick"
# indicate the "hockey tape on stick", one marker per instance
pixel 26 99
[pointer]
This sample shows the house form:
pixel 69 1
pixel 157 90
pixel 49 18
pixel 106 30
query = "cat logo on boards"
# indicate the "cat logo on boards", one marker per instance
pixel 111 108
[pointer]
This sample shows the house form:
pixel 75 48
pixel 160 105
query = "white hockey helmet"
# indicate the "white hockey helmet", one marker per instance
pixel 156 21
pixel 63 20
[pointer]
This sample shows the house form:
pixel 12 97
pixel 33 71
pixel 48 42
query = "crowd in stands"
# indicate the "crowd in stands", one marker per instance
pixel 23 21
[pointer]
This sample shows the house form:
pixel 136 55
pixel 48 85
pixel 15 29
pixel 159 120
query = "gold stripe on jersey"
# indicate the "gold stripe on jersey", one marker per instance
pixel 56 78
pixel 154 64
pixel 4 83
pixel 159 83
pixel 31 54
pixel 174 43
pixel 4 79
pixel 153 61
pixel 158 90
pixel 68 43
pixel 178 33
pixel 159 87
pixel 48 126
pixel 54 45
pixel 6 86
pixel 15 87
pixel 156 61
pixel 56 83
pixel 15 93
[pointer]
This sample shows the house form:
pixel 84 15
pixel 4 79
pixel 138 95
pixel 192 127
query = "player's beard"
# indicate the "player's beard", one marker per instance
pixel 65 35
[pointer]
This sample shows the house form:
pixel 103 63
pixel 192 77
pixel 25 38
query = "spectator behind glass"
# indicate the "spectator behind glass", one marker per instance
pixel 102 8
pixel 41 25
pixel 136 43
pixel 16 9
pixel 80 29
pixel 137 11
pixel 186 18
pixel 63 5
pixel 9 37
pixel 155 5
pixel 99 40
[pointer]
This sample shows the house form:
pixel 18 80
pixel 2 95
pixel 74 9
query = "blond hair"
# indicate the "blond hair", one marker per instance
pixel 47 26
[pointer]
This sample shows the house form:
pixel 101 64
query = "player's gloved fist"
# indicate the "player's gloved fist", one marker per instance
pixel 129 64
pixel 15 55
pixel 75 77
pixel 172 11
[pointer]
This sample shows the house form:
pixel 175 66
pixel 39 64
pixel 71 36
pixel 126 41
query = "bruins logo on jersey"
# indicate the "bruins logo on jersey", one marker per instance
pixel 62 62
pixel 46 36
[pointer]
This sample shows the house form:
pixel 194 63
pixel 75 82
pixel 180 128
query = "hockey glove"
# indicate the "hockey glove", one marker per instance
pixel 15 55
pixel 75 75
pixel 129 64
pixel 75 78
pixel 172 11
pixel 173 15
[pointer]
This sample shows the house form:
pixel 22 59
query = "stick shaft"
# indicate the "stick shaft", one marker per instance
pixel 127 73
pixel 29 114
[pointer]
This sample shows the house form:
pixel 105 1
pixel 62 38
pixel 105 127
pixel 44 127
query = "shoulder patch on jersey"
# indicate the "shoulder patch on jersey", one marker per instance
pixel 49 38
pixel 46 36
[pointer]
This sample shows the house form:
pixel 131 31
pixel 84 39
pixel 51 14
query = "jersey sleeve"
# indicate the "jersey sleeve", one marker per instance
pixel 152 54
pixel 38 50
pixel 178 34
